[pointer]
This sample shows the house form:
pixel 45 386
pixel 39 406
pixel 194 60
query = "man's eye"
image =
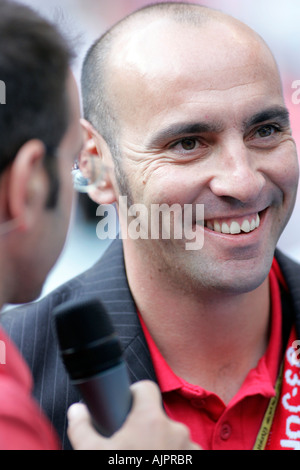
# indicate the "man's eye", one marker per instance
pixel 267 131
pixel 188 144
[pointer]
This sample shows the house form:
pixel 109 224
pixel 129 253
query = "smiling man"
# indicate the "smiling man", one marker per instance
pixel 184 106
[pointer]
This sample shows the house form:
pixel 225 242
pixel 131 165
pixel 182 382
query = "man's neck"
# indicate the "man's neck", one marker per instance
pixel 212 341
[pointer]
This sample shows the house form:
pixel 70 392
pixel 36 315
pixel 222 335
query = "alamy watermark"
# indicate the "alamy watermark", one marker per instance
pixel 2 92
pixel 160 221
pixel 2 352
pixel 294 354
pixel 296 93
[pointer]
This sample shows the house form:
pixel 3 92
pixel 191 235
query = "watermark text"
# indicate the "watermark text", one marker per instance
pixel 296 93
pixel 160 221
pixel 2 352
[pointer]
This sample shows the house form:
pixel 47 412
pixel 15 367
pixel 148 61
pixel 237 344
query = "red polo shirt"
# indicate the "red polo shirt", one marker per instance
pixel 214 425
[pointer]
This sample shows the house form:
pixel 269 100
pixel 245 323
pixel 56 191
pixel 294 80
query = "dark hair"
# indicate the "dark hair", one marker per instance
pixel 34 63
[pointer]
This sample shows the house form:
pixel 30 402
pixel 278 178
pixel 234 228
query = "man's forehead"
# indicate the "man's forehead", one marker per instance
pixel 173 58
pixel 143 45
pixel 161 54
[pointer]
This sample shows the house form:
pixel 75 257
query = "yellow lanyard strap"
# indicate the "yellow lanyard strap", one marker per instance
pixel 265 428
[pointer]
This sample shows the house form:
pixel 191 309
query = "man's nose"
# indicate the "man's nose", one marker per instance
pixel 237 173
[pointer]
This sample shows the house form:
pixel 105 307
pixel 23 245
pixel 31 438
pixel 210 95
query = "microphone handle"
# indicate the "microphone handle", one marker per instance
pixel 108 398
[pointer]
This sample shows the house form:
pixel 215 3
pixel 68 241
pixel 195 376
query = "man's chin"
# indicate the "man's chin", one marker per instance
pixel 243 282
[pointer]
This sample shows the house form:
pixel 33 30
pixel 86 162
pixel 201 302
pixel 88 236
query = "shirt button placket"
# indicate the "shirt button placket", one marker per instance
pixel 225 431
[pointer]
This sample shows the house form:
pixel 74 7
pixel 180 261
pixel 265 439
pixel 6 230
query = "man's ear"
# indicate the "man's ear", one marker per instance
pixel 27 185
pixel 89 150
pixel 95 147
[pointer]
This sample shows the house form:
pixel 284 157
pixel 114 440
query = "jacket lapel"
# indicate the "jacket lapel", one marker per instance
pixel 114 292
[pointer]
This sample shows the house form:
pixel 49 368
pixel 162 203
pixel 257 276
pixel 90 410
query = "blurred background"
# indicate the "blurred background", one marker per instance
pixel 82 21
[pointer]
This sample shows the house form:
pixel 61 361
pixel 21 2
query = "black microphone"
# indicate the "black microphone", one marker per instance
pixel 92 354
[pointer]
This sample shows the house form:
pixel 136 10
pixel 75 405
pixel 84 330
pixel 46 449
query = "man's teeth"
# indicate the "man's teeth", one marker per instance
pixel 234 227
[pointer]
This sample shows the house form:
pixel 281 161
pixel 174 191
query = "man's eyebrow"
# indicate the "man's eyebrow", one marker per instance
pixel 274 113
pixel 176 130
pixel 184 129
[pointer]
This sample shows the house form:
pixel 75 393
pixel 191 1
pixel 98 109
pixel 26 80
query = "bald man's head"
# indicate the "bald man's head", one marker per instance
pixel 113 53
pixel 97 103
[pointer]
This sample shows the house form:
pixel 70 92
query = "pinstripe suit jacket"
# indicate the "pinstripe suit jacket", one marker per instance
pixel 30 326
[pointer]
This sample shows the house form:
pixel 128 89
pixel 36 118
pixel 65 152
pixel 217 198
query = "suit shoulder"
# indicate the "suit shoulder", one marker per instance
pixel 290 267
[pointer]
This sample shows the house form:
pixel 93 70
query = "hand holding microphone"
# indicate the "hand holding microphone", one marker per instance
pixel 133 416
pixel 147 426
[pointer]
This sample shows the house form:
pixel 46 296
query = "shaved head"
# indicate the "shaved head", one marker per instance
pixel 97 103
pixel 112 54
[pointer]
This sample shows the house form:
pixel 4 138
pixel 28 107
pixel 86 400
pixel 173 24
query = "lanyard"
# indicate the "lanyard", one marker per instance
pixel 265 428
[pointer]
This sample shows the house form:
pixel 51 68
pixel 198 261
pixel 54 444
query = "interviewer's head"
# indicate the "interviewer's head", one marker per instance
pixel 39 139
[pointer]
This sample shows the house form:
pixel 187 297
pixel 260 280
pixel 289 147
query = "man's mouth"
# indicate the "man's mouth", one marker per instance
pixel 234 226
